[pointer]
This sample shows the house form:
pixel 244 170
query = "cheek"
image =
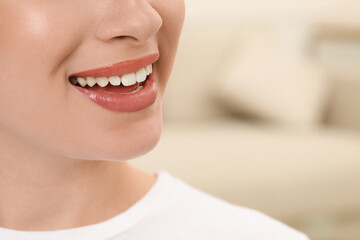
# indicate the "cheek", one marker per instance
pixel 28 50
pixel 36 35
pixel 34 42
pixel 173 14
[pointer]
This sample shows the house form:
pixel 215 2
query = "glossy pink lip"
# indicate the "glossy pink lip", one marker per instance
pixel 143 97
pixel 121 68
pixel 130 102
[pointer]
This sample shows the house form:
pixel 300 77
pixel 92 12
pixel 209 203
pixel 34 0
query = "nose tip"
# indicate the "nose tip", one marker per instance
pixel 135 19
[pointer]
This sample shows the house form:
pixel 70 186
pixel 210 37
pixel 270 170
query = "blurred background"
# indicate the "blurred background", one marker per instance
pixel 262 110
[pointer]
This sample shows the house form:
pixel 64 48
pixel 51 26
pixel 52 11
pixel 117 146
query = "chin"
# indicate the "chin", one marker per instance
pixel 122 142
pixel 141 142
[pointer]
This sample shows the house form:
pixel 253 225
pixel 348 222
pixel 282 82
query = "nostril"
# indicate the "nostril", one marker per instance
pixel 121 37
pixel 124 37
pixel 139 21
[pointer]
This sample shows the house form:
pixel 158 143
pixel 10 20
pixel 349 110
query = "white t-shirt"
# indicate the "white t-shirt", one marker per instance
pixel 173 210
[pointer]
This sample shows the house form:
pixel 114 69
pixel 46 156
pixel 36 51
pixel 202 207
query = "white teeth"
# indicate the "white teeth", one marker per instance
pixel 141 75
pixel 102 81
pixel 91 81
pixel 128 79
pixel 82 81
pixel 148 69
pixel 115 80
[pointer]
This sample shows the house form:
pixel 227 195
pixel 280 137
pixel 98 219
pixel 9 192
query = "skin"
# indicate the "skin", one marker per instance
pixel 63 159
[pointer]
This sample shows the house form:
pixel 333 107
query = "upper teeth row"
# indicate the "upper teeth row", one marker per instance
pixel 126 80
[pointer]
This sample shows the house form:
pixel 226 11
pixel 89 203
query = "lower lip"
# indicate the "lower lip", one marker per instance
pixel 129 102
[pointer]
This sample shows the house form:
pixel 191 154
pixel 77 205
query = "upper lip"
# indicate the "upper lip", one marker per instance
pixel 120 68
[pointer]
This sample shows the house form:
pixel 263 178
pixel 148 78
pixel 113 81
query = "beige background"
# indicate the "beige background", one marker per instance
pixel 263 110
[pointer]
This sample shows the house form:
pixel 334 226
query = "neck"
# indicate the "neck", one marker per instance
pixel 45 192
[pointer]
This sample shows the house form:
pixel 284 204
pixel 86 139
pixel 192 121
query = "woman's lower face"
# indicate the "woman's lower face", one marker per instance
pixel 51 102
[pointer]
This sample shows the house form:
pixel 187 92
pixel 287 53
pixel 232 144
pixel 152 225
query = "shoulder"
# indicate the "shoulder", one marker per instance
pixel 206 216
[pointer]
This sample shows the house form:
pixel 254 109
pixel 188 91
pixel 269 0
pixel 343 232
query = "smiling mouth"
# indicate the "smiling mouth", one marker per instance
pixel 125 84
